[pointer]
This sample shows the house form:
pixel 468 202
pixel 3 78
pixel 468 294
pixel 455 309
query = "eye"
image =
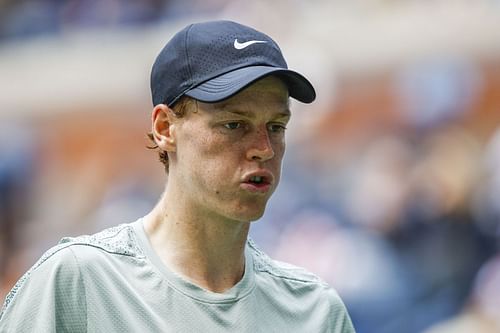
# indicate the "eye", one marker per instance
pixel 276 128
pixel 233 125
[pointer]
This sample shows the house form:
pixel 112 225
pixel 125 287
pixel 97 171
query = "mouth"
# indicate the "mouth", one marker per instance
pixel 260 181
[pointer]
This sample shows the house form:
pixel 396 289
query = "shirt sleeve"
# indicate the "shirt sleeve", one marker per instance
pixel 340 319
pixel 50 297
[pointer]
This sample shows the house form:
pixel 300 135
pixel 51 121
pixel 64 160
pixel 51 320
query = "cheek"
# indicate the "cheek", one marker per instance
pixel 209 158
pixel 279 147
pixel 279 152
pixel 217 151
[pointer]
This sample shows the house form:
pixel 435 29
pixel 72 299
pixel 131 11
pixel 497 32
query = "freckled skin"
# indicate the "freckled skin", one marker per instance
pixel 222 142
pixel 200 225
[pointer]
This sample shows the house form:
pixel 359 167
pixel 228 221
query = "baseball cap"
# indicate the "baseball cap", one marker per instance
pixel 212 61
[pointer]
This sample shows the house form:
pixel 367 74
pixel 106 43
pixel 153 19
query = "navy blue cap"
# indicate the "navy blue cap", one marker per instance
pixel 213 61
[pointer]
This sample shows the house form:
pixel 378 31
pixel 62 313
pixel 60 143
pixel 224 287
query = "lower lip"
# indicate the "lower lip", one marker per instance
pixel 256 188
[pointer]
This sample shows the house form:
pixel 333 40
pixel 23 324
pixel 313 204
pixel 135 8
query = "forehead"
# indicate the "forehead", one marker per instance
pixel 268 95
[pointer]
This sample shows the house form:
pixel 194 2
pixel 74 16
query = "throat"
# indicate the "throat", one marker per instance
pixel 211 255
pixel 206 269
pixel 215 279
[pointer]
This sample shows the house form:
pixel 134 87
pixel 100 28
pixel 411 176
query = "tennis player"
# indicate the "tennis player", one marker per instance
pixel 221 105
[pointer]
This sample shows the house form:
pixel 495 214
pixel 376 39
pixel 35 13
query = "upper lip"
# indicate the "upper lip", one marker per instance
pixel 267 176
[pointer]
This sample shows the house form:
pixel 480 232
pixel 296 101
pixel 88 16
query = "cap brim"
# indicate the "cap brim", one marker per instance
pixel 229 84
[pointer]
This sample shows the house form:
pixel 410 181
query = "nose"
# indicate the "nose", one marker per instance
pixel 261 148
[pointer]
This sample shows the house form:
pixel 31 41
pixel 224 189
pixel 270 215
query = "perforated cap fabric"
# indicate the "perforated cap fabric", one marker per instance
pixel 212 61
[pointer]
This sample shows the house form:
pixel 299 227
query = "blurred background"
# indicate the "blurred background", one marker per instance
pixel 391 185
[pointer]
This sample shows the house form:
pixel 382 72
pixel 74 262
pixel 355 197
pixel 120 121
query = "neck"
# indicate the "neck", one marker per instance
pixel 207 250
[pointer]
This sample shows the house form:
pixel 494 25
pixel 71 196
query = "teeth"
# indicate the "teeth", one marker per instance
pixel 256 179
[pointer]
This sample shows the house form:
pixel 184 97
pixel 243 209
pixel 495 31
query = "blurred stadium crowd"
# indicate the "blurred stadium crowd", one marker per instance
pixel 390 188
pixel 25 18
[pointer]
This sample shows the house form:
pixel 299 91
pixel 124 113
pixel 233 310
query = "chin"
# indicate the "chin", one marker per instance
pixel 256 217
pixel 242 210
pixel 249 215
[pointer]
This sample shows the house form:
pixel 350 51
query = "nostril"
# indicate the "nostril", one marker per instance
pixel 261 153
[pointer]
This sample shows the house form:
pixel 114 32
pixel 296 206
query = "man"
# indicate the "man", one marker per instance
pixel 220 93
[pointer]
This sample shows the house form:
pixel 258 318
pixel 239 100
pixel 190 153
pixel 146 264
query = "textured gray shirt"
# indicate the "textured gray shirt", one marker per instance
pixel 113 281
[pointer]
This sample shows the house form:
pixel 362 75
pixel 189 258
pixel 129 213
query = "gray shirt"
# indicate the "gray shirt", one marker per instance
pixel 113 281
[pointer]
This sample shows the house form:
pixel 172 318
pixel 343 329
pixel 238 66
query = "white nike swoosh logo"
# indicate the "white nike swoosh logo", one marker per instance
pixel 241 46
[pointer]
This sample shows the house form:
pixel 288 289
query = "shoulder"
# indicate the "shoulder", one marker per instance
pixel 84 251
pixel 73 251
pixel 119 240
pixel 281 270
pixel 61 266
pixel 295 285
pixel 296 280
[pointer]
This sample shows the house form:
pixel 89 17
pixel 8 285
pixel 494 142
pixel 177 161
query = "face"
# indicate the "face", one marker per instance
pixel 228 154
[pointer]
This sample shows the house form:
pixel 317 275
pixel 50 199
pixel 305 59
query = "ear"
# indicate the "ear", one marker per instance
pixel 163 128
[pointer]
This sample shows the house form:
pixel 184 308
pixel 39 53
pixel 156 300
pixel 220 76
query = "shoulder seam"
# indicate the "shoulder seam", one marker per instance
pixel 261 268
pixel 94 241
pixel 73 243
pixel 290 278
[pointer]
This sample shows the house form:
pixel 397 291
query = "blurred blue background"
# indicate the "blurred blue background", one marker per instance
pixel 391 184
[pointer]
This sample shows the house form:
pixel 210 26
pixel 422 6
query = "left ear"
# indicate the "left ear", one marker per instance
pixel 163 128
